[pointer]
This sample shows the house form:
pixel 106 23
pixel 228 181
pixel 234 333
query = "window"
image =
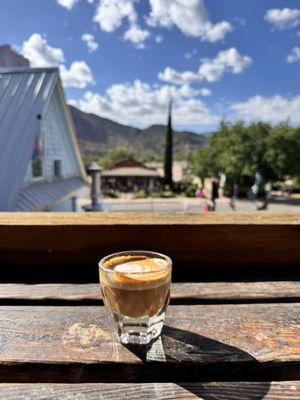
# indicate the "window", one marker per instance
pixel 37 157
pixel 57 168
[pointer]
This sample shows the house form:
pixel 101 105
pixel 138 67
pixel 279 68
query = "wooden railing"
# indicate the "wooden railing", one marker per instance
pixel 67 246
pixel 232 320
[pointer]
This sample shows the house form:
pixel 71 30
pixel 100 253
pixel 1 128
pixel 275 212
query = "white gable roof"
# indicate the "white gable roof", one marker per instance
pixel 24 94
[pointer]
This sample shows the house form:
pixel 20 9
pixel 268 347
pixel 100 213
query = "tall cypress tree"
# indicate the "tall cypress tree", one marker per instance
pixel 168 161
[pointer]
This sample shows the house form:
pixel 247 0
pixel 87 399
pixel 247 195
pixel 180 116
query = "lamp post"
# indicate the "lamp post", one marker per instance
pixel 94 170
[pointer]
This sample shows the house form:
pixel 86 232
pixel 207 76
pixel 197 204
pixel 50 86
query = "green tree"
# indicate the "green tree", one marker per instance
pixel 168 160
pixel 116 155
pixel 200 163
pixel 242 151
pixel 283 151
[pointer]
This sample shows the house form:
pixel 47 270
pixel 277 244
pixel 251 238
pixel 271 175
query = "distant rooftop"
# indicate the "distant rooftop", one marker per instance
pixel 132 172
pixel 132 168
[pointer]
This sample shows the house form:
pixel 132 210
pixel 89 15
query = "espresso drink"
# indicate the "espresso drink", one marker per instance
pixel 136 285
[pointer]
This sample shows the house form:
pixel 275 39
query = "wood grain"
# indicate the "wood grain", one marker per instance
pixel 289 390
pixel 234 239
pixel 149 218
pixel 185 292
pixel 232 342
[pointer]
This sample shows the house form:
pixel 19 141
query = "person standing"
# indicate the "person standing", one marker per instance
pixel 214 194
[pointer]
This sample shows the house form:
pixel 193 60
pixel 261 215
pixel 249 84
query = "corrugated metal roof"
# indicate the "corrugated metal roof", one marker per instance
pixel 24 94
pixel 40 196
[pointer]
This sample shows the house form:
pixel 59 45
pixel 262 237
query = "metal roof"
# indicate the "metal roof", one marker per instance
pixel 42 195
pixel 24 94
pixel 131 171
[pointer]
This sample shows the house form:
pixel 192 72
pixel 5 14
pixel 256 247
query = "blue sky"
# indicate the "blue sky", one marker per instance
pixel 124 59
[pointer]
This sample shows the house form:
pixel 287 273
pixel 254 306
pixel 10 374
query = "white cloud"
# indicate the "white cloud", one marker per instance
pixel 270 109
pixel 294 55
pixel 229 60
pixel 187 91
pixel 283 18
pixel 79 75
pixel 190 54
pixel 179 78
pixel 210 70
pixel 159 38
pixel 190 16
pixel 89 39
pixel 141 104
pixel 69 4
pixel 136 35
pixel 72 102
pixel 205 92
pixel 40 53
pixel 110 14
pixel 240 21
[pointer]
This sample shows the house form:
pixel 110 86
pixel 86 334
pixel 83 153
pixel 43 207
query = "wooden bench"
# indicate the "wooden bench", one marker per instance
pixel 232 329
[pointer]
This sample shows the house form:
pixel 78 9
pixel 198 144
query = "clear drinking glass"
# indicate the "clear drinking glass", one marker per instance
pixel 136 290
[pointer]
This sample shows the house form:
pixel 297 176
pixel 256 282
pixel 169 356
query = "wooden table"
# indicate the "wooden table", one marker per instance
pixel 235 338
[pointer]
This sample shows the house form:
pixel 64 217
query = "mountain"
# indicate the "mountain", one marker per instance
pixel 96 135
pixel 9 58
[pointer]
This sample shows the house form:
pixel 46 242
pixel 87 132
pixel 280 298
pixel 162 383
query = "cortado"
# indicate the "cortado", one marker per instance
pixel 136 285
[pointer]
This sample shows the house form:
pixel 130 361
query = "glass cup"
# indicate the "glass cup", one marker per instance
pixel 136 290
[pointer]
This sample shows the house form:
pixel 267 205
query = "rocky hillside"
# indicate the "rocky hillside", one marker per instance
pixel 9 58
pixel 96 135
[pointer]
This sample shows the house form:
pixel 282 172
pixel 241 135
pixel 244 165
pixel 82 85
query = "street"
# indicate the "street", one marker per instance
pixel 190 205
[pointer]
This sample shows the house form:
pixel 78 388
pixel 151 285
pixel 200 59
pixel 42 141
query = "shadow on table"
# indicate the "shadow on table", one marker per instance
pixel 228 390
pixel 187 346
pixel 195 358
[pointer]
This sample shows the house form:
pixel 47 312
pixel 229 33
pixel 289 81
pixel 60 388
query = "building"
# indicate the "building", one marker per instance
pixel 129 176
pixel 40 164
pixel 178 170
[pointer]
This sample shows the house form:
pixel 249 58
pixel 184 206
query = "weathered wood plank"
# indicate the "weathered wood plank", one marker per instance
pixel 150 218
pixel 237 290
pixel 210 239
pixel 194 292
pixel 55 344
pixel 289 390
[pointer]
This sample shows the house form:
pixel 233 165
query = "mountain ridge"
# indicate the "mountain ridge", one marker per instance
pixel 9 58
pixel 97 135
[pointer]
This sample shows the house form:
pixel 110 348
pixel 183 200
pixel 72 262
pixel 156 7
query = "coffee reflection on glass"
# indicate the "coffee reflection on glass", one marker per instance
pixel 136 290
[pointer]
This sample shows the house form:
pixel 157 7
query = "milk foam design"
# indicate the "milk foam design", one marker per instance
pixel 140 266
pixel 129 268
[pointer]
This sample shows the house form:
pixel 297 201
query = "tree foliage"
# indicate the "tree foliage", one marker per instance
pixel 116 155
pixel 240 151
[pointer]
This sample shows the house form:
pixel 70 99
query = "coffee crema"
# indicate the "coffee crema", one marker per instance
pixel 135 285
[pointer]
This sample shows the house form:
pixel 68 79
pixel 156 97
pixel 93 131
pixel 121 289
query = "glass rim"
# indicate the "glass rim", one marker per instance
pixel 135 252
